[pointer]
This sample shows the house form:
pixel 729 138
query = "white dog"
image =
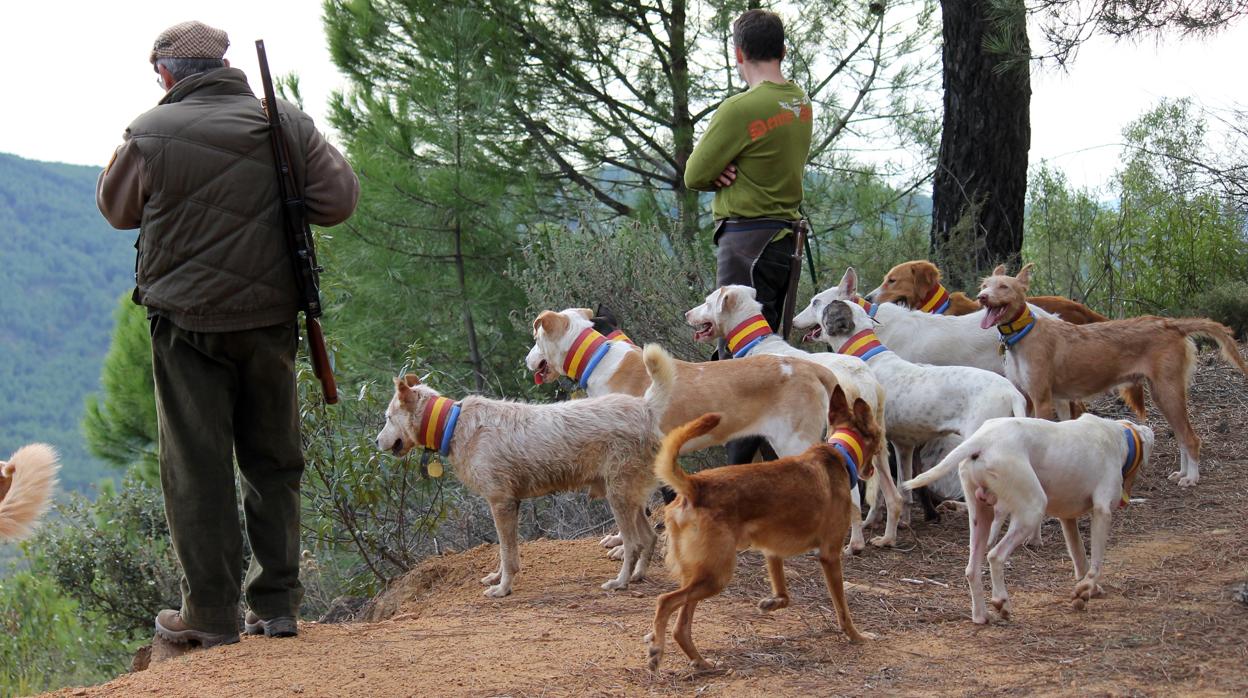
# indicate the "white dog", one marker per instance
pixel 1029 468
pixel 942 340
pixel 925 402
pixel 507 451
pixel 734 313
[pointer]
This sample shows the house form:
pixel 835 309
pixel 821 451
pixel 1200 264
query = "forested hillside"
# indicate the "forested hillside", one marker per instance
pixel 63 268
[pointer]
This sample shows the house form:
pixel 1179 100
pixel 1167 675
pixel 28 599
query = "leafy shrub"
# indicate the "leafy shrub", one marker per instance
pixel 112 556
pixel 1228 304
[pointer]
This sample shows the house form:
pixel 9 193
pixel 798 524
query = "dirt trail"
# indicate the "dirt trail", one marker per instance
pixel 1167 625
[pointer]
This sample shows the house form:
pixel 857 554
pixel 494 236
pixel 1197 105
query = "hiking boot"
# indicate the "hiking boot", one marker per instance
pixel 281 626
pixel 172 627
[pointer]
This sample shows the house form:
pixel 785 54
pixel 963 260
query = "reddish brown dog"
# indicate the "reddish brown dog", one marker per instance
pixel 1053 360
pixel 782 508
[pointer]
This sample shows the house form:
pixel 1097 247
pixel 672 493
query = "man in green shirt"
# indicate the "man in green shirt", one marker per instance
pixel 752 156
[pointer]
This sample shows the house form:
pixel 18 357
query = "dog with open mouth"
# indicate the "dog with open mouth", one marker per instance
pixel 1053 361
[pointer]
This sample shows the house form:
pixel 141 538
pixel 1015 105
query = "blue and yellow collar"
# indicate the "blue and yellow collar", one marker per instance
pixel 1134 459
pixel 1012 332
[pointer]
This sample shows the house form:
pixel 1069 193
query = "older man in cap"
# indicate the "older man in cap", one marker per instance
pixel 196 176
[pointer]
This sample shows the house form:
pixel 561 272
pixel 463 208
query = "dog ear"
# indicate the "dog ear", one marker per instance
pixel 589 314
pixel 1000 270
pixel 1024 275
pixel 553 323
pixel 849 281
pixel 862 412
pixel 411 379
pixel 838 407
pixel 837 319
pixel 727 301
pixel 926 275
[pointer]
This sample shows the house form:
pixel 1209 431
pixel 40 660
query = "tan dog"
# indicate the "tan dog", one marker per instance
pixel 26 483
pixel 782 508
pixel 917 284
pixel 1053 360
pixel 782 398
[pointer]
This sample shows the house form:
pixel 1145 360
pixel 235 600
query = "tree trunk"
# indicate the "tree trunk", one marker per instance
pixel 980 185
pixel 682 121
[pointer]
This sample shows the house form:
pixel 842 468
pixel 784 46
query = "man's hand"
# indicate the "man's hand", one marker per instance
pixel 727 177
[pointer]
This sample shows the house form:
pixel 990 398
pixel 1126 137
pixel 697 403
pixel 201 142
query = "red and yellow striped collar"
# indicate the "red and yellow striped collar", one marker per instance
pixel 743 337
pixel 583 356
pixel 865 345
pixel 619 336
pixel 851 446
pixel 437 424
pixel 937 301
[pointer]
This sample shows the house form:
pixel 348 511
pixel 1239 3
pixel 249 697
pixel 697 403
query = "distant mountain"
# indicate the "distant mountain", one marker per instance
pixel 62 270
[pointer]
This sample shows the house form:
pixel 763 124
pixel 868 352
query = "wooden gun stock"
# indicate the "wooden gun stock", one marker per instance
pixel 320 360
pixel 795 277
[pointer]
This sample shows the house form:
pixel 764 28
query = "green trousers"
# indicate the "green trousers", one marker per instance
pixel 222 396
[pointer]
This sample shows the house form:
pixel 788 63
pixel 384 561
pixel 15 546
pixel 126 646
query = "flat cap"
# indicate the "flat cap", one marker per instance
pixel 190 40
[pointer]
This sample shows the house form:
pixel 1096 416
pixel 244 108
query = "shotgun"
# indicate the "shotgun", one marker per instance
pixel 298 237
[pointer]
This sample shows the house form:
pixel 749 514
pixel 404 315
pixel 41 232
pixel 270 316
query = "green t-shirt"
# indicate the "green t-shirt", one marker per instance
pixel 766 132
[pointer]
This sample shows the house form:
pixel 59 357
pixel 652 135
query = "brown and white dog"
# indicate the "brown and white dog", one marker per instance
pixel 26 483
pixel 917 285
pixel 1053 360
pixel 781 398
pixel 783 508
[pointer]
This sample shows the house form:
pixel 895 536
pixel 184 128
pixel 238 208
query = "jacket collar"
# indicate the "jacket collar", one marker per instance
pixel 222 81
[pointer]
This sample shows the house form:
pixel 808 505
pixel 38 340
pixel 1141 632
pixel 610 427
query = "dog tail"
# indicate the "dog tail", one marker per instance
pixel 30 490
pixel 662 370
pixel 1203 327
pixel 666 468
pixel 951 461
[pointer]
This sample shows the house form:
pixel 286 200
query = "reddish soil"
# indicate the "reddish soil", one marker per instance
pixel 1167 625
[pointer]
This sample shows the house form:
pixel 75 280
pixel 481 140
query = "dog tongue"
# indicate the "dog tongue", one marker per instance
pixel 539 377
pixel 991 317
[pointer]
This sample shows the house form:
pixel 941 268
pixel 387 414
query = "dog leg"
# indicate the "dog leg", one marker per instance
pixel 626 519
pixel 1087 588
pixel 905 466
pixel 1171 398
pixel 830 559
pixel 779 590
pixel 1023 525
pixel 856 540
pixel 980 521
pixel 683 635
pixel 873 513
pixel 1074 546
pixel 506 513
pixel 646 549
pixel 691 592
pixel 894 502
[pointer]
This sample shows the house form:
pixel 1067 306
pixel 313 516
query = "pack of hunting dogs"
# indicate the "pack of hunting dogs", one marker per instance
pixel 988 390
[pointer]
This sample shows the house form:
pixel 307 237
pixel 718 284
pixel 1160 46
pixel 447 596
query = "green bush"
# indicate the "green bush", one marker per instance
pixel 43 646
pixel 1228 304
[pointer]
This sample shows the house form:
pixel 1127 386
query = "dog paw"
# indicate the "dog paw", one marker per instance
pixel 884 541
pixel 616 553
pixel 491 579
pixel 854 548
pixel 980 618
pixel 615 585
pixel 773 603
pixel 498 591
pixel 701 664
pixel 637 576
pixel 864 636
pixel 654 657
pixel 1002 606
pixel 648 637
pixel 612 541
pixel 1189 480
pixel 1175 475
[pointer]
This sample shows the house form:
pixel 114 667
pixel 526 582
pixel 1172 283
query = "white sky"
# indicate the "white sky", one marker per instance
pixel 76 73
